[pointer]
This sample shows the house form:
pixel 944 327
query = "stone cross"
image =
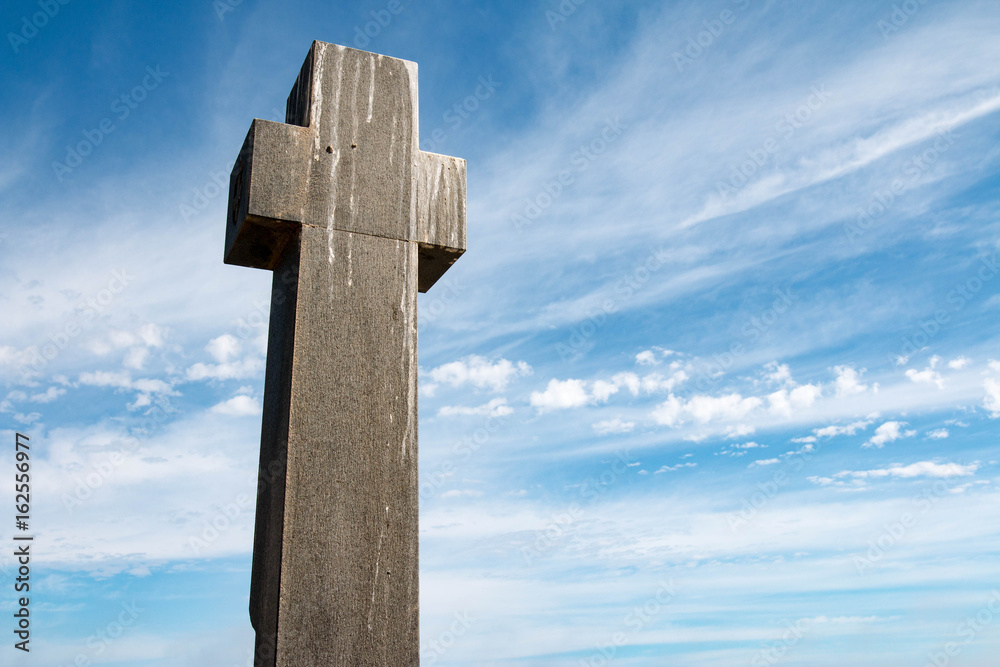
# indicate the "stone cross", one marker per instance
pixel 354 220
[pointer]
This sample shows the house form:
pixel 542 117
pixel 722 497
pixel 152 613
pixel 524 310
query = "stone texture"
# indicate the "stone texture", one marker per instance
pixel 347 159
pixel 353 219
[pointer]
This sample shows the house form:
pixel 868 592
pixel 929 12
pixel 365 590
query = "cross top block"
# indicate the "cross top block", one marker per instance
pixel 346 159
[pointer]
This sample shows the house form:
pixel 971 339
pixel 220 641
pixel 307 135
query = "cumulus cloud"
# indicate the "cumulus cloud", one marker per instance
pixel 785 402
pixel 992 400
pixel 926 376
pixel 561 394
pixel 616 425
pixel 740 449
pixel 938 434
pixel 704 409
pixel 496 408
pixel 848 429
pixel 117 379
pixel 888 432
pixel 652 357
pixel 602 390
pixel 848 382
pixel 479 372
pixel 122 380
pixel 135 358
pixel 765 462
pixel 777 373
pixel 51 394
pixel 739 430
pixel 137 343
pixel 651 383
pixel 958 363
pixel 235 370
pixel 646 358
pixel 224 348
pixel 238 406
pixel 655 382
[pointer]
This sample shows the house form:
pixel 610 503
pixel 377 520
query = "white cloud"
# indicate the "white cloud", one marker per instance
pixel 649 357
pixel 630 381
pixel 730 407
pixel 646 358
pixel 145 387
pixel 704 409
pixel 848 382
pixel 153 386
pixel 496 408
pixel 480 373
pixel 51 394
pixel 785 402
pixel 602 390
pixel 670 412
pixel 615 425
pixel 560 394
pixel 224 348
pixel 938 434
pixel 765 462
pixel 849 429
pixel 749 445
pixel 958 363
pixel 739 431
pixel 741 449
pixel 777 373
pixel 926 376
pixel 652 383
pixel 655 382
pixel 118 379
pixel 152 335
pixel 576 393
pixel 888 432
pixel 236 370
pixel 238 406
pixel 136 357
pixel 920 469
pixel 992 400
pixel 676 467
pixel 468 493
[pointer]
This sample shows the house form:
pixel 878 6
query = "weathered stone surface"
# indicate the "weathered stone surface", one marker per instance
pixel 353 219
pixel 338 564
pixel 347 159
pixel 440 213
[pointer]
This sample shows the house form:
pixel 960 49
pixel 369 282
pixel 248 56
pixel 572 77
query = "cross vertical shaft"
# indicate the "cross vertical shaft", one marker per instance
pixel 354 220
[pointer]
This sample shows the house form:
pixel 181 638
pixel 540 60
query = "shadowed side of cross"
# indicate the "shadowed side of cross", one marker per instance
pixel 353 219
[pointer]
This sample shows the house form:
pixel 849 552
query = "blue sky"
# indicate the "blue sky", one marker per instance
pixel 716 383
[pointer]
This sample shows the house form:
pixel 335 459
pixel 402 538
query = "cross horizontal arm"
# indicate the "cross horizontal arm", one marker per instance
pixel 440 214
pixel 350 167
pixel 267 189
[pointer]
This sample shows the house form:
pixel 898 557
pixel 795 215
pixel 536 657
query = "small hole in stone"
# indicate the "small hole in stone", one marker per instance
pixel 354 145
pixel 329 149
